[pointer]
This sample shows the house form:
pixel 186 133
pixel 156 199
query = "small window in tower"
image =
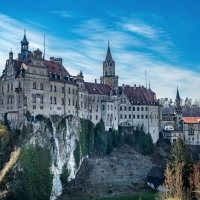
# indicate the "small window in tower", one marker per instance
pixel 110 64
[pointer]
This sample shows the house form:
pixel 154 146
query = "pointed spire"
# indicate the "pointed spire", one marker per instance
pixel 24 39
pixel 149 86
pixel 108 55
pixel 177 94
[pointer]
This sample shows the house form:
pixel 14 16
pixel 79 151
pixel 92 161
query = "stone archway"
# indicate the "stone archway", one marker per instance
pixel 125 124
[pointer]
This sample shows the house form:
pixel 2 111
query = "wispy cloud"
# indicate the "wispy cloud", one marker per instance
pixel 64 13
pixel 133 47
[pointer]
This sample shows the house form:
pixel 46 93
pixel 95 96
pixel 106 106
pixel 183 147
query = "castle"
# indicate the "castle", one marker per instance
pixel 31 83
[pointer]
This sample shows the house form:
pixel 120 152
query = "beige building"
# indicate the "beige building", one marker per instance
pixel 32 84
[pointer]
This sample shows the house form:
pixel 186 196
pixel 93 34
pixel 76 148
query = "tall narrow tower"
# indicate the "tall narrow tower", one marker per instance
pixel 178 111
pixel 24 46
pixel 109 77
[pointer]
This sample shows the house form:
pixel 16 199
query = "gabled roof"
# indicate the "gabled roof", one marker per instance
pixel 96 88
pixel 191 120
pixel 56 68
pixel 139 95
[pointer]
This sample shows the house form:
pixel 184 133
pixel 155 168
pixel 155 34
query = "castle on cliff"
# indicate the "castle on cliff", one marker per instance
pixel 29 83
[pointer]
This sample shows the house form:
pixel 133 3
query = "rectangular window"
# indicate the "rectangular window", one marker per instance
pixel 41 107
pixel 120 116
pixel 20 85
pixel 73 102
pixel 50 100
pixel 73 91
pixel 146 116
pixel 96 117
pixel 133 116
pixel 8 87
pixel 142 116
pixel 146 108
pixel 90 117
pixel 51 88
pixel 11 86
pixel 138 108
pixel 68 90
pixel 142 108
pixel 41 99
pixel 81 104
pixel 133 108
pixel 34 107
pixel 125 108
pixel 62 101
pixel 19 98
pixel 54 88
pixel 54 100
pixel 103 107
pixel 34 85
pixel 96 107
pixel 68 101
pixel 108 107
pixel 33 98
pixel 125 117
pixel 129 108
pixel 138 116
pixel 129 116
pixel 111 107
pixel 62 89
pixel 120 108
pixel 2 101
pixel 41 86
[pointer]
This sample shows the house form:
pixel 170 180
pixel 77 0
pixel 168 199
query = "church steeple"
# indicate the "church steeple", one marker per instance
pixel 24 46
pixel 108 55
pixel 177 95
pixel 109 76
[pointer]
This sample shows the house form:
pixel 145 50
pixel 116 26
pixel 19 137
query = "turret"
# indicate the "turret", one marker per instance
pixel 24 46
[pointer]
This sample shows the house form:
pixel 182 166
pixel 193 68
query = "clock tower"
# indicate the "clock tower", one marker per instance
pixel 109 77
pixel 178 112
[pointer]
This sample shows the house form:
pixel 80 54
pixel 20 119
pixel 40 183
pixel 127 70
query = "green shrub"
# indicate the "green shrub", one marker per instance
pixel 77 154
pixel 36 179
pixel 65 175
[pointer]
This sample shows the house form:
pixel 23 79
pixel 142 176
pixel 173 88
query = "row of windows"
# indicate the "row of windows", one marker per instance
pixel 134 108
pixel 11 100
pixel 10 87
pixel 96 117
pixel 53 88
pixel 137 117
pixel 190 131
pixel 41 86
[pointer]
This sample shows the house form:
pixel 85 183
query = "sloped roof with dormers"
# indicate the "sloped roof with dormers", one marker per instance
pixel 96 88
pixel 139 95
pixel 56 68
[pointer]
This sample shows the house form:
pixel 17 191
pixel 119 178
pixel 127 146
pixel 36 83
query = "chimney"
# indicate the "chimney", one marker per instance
pixel 52 59
pixel 19 56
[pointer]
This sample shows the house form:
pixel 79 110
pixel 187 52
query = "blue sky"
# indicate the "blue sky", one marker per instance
pixel 161 37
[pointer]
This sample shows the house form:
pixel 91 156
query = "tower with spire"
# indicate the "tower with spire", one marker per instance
pixel 24 46
pixel 178 111
pixel 109 76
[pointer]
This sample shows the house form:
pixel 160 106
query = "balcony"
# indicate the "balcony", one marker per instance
pixel 18 90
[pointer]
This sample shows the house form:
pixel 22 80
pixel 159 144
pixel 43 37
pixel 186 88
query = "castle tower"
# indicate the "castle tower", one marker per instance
pixel 24 46
pixel 10 57
pixel 178 111
pixel 109 77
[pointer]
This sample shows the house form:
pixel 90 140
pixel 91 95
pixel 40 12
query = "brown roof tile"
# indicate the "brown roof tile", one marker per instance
pixel 96 88
pixel 139 95
pixel 191 120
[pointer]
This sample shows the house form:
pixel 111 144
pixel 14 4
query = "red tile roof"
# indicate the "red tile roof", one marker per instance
pixel 56 68
pixel 191 120
pixel 96 88
pixel 139 95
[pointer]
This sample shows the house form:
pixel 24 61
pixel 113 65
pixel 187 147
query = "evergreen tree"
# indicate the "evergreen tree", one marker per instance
pixel 179 154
